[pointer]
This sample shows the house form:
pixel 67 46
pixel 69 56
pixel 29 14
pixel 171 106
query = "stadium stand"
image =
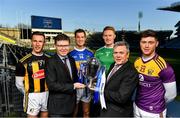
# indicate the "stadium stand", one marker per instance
pixel 173 7
pixel 6 38
pixel 174 42
pixel 95 40
pixel 10 98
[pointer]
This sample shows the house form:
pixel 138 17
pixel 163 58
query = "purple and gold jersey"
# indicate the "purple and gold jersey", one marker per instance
pixel 152 74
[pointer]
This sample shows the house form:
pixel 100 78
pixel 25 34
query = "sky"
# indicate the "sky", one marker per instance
pixel 92 15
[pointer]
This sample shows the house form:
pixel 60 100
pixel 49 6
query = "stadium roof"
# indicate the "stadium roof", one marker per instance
pixel 173 7
pixel 178 24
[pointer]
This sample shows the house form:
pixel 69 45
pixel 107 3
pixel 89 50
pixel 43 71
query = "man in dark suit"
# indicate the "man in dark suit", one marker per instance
pixel 121 82
pixel 61 75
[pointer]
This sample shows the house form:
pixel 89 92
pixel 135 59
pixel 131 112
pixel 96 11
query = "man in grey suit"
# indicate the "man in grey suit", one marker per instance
pixel 61 75
pixel 121 82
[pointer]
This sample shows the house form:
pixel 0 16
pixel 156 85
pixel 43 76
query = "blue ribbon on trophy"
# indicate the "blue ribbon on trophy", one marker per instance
pixel 82 75
pixel 99 89
pixel 95 75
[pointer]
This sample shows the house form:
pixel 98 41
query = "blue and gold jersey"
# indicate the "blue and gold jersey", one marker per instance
pixel 152 74
pixel 81 56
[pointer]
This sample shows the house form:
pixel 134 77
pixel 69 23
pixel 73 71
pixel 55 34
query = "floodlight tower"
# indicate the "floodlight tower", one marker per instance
pixel 140 15
pixel 123 35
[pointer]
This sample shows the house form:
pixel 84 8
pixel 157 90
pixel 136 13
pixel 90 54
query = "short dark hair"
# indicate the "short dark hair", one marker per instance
pixel 61 37
pixel 149 33
pixel 109 28
pixel 37 33
pixel 79 31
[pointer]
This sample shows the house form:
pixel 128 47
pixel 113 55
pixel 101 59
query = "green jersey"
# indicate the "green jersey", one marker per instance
pixel 105 56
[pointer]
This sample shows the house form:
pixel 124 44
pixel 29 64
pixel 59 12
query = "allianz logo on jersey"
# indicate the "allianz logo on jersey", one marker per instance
pixel 81 56
pixel 107 53
pixel 141 78
pixel 142 82
pixel 39 74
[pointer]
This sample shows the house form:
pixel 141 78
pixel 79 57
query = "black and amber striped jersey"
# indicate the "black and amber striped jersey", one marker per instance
pixel 32 67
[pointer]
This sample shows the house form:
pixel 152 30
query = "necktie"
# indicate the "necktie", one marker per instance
pixel 64 60
pixel 66 66
pixel 113 71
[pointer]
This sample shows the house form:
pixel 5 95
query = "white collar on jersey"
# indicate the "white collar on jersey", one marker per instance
pixel 147 58
pixel 41 54
pixel 80 49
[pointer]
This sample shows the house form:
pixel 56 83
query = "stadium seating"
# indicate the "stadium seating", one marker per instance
pixel 10 98
pixel 173 43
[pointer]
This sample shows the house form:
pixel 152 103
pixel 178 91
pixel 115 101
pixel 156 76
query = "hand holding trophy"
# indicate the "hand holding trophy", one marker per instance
pixel 95 78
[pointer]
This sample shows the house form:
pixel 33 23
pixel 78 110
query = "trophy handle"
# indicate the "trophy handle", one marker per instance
pixel 90 85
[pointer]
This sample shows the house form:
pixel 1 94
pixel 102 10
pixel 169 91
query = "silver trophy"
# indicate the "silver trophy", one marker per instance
pixel 92 67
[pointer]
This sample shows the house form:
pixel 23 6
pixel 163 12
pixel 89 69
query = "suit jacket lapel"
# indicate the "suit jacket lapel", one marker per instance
pixel 61 65
pixel 59 60
pixel 71 63
pixel 111 67
pixel 121 69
